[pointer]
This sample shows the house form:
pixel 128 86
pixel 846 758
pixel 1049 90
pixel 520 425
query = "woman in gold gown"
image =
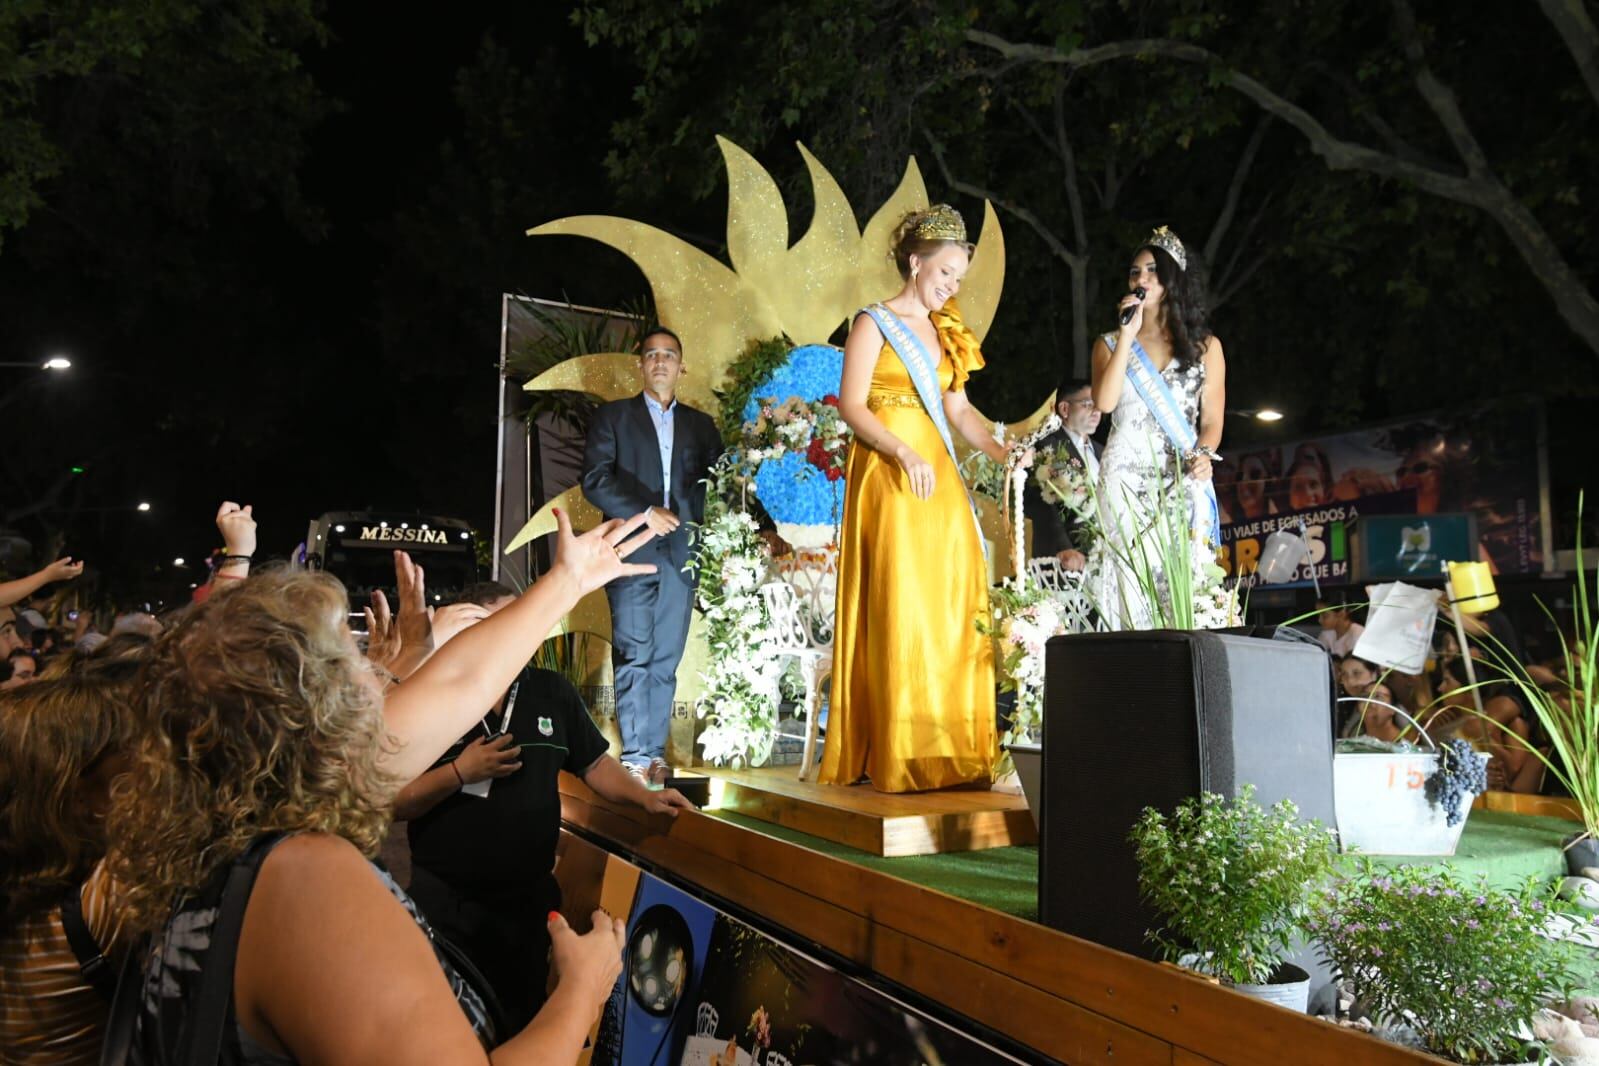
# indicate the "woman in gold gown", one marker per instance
pixel 913 680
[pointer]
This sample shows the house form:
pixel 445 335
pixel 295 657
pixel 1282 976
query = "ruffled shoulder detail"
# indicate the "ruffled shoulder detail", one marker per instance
pixel 958 342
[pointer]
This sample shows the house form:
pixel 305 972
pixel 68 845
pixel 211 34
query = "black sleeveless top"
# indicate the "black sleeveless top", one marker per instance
pixel 175 972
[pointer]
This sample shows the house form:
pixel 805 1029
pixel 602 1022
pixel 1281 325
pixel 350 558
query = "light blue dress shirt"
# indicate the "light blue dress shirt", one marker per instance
pixel 662 417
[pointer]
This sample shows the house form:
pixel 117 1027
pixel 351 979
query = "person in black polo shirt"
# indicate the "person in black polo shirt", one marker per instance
pixel 485 819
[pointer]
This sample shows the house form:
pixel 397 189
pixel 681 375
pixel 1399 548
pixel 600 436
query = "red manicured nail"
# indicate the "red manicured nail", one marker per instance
pixel 555 510
pixel 553 915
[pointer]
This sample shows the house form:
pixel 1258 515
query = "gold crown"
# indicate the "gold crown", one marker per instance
pixel 941 222
pixel 1164 239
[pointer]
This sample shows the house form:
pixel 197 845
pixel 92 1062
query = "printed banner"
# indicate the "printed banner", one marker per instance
pixel 702 988
pixel 1484 462
pixel 1326 529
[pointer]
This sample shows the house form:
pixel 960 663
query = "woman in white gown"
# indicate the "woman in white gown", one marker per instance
pixel 1162 378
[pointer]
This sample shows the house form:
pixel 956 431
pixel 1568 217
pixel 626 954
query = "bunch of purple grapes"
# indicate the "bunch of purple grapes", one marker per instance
pixel 1460 774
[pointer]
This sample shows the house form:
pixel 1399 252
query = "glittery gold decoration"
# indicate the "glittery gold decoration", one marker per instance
pixel 613 375
pixel 805 291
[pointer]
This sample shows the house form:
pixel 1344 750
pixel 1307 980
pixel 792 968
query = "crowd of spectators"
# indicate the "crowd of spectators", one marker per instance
pixel 1491 713
pixel 191 807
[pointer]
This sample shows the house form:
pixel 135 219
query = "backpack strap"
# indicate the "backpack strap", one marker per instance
pixel 116 1049
pixel 92 963
pixel 200 1041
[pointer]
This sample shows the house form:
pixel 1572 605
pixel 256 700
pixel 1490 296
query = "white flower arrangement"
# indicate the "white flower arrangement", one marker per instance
pixel 742 694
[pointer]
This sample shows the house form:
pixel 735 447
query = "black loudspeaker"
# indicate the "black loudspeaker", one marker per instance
pixel 1149 719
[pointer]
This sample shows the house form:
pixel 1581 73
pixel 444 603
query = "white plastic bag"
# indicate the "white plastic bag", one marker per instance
pixel 1399 626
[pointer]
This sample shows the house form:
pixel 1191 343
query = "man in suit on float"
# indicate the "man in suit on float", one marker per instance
pixel 1052 528
pixel 651 452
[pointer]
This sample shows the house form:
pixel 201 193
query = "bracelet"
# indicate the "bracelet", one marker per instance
pixel 226 559
pixel 460 781
pixel 231 577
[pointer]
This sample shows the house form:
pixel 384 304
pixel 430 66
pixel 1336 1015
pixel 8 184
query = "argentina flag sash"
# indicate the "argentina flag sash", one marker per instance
pixel 1156 394
pixel 923 369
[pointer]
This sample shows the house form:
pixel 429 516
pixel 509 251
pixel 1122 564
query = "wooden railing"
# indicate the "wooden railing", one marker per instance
pixel 1065 998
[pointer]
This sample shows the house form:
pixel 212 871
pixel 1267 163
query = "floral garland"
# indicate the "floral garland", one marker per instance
pixel 1064 481
pixel 742 681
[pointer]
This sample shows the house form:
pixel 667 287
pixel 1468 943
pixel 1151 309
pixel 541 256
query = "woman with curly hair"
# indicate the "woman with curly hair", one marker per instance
pixel 268 731
pixel 913 680
pixel 1162 378
pixel 62 740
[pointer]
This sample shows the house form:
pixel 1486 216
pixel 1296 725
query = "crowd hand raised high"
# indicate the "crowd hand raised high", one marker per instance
pixel 589 963
pixel 63 569
pixel 414 623
pixel 596 558
pixel 918 470
pixel 237 526
pixel 382 637
pixel 487 757
pixel 661 521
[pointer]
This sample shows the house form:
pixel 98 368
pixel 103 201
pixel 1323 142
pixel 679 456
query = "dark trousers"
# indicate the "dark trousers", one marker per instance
pixel 649 626
pixel 505 937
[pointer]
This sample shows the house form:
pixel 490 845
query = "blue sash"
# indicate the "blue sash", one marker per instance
pixel 923 369
pixel 1156 394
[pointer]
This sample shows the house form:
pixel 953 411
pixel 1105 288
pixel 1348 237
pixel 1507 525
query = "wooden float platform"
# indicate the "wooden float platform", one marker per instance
pixel 1058 997
pixel 879 823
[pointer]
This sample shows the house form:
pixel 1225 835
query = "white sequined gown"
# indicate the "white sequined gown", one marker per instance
pixel 1136 458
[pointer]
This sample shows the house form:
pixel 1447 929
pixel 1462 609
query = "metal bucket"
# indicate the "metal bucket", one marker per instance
pixel 1029 760
pixel 1382 804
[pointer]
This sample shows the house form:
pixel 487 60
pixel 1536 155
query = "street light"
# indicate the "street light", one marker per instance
pixel 178 561
pixel 144 506
pixel 1267 414
pixel 59 362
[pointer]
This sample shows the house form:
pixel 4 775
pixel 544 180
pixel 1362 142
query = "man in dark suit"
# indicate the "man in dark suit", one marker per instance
pixel 651 452
pixel 1053 529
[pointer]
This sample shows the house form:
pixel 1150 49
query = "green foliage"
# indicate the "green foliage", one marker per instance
pixel 167 85
pixel 566 333
pixel 756 365
pixel 1466 966
pixel 1230 882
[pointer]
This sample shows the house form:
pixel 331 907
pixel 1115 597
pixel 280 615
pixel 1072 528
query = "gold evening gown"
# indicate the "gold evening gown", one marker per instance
pixel 912 704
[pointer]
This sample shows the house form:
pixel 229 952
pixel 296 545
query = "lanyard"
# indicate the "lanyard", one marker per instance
pixel 505 719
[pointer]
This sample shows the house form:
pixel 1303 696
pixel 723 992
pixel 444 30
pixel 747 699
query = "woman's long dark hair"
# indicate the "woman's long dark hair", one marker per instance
pixel 1184 307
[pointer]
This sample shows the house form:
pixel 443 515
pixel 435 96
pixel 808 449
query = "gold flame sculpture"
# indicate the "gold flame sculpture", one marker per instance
pixel 804 291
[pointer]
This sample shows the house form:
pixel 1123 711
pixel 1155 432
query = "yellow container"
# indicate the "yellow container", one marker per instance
pixel 1471 586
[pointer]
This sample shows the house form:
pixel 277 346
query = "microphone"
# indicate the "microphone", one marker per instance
pixel 1127 313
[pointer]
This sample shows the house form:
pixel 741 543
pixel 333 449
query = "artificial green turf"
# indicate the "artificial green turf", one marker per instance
pixel 1506 848
pixel 1005 879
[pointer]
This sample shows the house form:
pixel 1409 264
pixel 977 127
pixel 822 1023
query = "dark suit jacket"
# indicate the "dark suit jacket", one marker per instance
pixel 622 468
pixel 1052 529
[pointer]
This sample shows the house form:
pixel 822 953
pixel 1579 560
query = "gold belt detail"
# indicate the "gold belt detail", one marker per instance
pixel 878 400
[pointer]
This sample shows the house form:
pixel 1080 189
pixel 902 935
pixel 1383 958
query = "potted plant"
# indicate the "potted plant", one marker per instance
pixel 1459 968
pixel 1566 706
pixel 1231 883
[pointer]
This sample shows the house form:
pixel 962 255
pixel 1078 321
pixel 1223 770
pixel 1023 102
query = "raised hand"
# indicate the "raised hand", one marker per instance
pixel 63 569
pixel 237 526
pixel 382 638
pixel 488 757
pixel 415 627
pixel 596 558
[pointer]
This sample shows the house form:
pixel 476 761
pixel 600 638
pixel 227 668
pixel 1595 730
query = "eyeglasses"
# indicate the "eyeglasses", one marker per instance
pixel 1079 403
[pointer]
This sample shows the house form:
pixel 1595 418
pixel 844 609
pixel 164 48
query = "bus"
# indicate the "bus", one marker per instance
pixel 357 547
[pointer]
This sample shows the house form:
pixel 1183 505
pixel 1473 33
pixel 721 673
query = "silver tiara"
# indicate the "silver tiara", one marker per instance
pixel 1167 241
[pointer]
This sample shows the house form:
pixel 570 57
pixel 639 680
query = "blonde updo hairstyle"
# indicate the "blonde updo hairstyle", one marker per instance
pixel 905 243
pixel 258 716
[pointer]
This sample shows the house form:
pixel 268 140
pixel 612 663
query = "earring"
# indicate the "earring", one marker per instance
pixel 914 269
